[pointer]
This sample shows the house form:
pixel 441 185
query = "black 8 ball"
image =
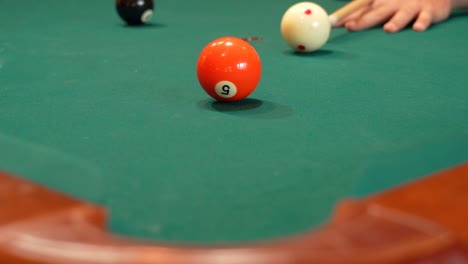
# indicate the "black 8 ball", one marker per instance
pixel 135 12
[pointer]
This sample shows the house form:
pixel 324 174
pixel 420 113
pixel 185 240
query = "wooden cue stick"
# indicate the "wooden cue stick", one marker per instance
pixel 343 12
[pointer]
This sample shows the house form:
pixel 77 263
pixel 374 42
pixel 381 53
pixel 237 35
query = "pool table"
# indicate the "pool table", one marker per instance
pixel 111 152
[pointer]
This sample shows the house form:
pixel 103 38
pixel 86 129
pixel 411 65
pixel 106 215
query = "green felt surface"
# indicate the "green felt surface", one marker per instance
pixel 115 115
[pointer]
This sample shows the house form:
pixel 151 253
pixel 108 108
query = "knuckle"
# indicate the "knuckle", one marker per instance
pixel 410 8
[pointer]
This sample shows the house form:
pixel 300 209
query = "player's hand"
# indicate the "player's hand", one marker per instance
pixel 397 14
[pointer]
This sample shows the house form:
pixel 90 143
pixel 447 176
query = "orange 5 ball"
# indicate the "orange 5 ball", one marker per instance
pixel 229 69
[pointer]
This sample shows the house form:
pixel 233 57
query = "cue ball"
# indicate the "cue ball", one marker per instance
pixel 305 27
pixel 229 69
pixel 135 12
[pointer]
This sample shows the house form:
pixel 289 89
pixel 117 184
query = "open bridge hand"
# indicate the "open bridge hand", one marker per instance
pixel 397 14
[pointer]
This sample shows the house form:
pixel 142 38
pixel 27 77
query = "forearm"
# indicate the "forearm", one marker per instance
pixel 459 4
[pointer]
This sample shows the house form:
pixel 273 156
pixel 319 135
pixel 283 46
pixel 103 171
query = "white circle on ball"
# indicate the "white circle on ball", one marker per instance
pixel 146 16
pixel 305 27
pixel 225 89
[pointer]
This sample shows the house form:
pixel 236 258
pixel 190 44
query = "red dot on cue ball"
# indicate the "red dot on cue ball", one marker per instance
pixel 229 69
